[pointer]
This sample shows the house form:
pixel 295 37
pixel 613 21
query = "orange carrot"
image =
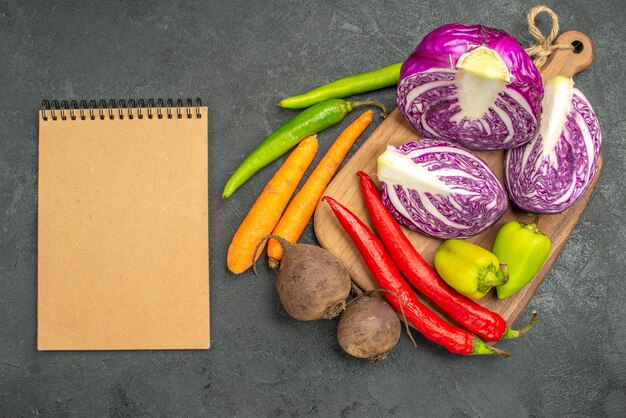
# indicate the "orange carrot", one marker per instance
pixel 266 211
pixel 301 208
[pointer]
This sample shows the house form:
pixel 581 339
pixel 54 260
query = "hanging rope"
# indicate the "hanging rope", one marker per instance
pixel 544 47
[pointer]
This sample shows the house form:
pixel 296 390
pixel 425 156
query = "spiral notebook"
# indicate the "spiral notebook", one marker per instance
pixel 123 226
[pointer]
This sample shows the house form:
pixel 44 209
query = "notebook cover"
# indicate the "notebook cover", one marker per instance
pixel 123 233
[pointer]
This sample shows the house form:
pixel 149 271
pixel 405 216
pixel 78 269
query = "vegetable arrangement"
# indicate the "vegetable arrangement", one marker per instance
pixel 312 284
pixel 465 86
pixel 301 208
pixel 309 122
pixel 380 264
pixel 266 211
pixel 486 324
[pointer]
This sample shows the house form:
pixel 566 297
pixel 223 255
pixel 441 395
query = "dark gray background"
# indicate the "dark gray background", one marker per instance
pixel 241 57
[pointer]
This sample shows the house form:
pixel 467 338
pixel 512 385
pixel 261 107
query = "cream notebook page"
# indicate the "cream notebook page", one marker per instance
pixel 123 230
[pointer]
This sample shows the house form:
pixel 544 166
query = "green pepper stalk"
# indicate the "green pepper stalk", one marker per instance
pixel 469 269
pixel 524 248
pixel 308 122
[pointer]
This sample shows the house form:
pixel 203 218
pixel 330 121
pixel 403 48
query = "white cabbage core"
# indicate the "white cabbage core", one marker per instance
pixel 395 168
pixel 482 76
pixel 557 105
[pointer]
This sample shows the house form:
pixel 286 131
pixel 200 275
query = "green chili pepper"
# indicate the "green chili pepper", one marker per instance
pixel 308 122
pixel 347 86
pixel 469 269
pixel 524 248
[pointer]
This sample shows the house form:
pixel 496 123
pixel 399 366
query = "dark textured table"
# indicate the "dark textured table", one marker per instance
pixel 241 57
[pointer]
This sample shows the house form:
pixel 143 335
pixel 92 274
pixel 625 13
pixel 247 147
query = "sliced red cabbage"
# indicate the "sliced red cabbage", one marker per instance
pixel 440 189
pixel 550 173
pixel 472 85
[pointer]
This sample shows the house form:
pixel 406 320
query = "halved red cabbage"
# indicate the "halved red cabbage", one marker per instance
pixel 550 173
pixel 440 189
pixel 472 85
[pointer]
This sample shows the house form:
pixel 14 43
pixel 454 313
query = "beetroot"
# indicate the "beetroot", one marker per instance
pixel 369 328
pixel 311 283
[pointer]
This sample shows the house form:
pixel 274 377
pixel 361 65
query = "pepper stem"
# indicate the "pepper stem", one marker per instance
pixel 533 224
pixel 499 352
pixel 503 274
pixel 511 333
pixel 489 277
pixel 479 347
pixel 535 220
pixel 371 103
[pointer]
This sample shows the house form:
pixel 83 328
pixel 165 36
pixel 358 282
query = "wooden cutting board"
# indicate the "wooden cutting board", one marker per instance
pixel 395 131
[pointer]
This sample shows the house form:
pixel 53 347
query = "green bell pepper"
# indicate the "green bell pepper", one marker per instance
pixel 524 248
pixel 469 269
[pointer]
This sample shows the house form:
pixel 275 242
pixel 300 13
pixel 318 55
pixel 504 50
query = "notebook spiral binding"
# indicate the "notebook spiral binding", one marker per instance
pixel 83 110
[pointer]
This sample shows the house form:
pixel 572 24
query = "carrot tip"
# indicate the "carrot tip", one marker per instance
pixel 273 263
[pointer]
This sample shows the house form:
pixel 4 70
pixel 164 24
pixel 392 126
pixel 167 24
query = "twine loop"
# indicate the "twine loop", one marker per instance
pixel 544 46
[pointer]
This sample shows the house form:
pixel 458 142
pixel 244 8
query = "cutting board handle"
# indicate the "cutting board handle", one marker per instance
pixel 569 62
